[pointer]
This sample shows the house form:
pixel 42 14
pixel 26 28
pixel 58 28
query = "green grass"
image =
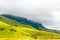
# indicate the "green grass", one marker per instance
pixel 22 32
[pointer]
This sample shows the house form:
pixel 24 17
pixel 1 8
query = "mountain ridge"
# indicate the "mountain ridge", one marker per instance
pixel 24 21
pixel 18 27
pixel 21 20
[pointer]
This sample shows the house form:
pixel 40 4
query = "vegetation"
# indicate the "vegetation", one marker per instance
pixel 11 29
pixel 24 21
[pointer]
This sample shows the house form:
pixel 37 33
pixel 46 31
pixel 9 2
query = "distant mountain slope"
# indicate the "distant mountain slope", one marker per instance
pixel 24 29
pixel 17 21
pixel 25 21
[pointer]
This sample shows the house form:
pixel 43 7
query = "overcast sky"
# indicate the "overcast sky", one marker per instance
pixel 46 12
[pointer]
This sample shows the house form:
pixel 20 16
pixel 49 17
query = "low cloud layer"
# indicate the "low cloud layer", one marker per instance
pixel 46 12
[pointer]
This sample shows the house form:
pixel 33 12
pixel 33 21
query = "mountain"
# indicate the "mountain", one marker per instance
pixel 24 21
pixel 19 28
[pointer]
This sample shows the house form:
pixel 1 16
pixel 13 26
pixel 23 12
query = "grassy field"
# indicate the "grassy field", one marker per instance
pixel 9 32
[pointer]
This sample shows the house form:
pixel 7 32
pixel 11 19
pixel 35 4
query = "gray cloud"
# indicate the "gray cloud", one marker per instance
pixel 45 11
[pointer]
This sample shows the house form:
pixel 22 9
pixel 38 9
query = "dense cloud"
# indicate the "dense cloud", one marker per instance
pixel 46 12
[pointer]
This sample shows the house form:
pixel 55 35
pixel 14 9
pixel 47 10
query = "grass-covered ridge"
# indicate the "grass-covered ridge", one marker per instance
pixel 13 28
pixel 17 21
pixel 24 21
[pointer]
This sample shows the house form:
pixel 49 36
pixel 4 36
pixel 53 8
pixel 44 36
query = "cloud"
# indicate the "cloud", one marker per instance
pixel 46 12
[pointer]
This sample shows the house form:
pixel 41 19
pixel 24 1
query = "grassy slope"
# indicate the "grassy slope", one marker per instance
pixel 13 22
pixel 24 32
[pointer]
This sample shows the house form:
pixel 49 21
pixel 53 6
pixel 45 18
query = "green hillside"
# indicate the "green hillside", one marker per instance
pixel 13 30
